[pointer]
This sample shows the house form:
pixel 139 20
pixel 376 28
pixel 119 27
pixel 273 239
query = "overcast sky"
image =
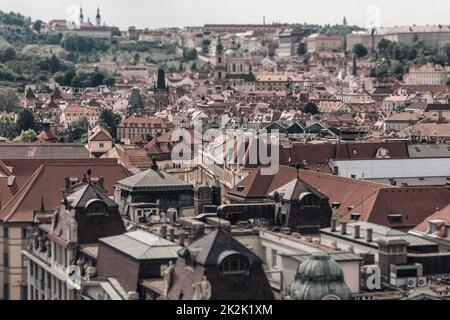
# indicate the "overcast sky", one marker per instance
pixel 179 13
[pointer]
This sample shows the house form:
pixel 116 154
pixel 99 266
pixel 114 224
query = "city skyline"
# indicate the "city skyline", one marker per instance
pixel 172 13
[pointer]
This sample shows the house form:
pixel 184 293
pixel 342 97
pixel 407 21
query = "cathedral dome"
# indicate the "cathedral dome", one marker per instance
pixel 319 278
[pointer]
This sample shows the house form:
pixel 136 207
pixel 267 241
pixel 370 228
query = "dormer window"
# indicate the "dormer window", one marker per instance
pixel 435 225
pixel 309 200
pixel 234 264
pixel 240 189
pixel 96 208
pixel 395 218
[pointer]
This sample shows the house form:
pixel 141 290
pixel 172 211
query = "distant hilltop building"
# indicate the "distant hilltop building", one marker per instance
pixel 84 28
pixel 433 36
pixel 428 74
pixel 235 28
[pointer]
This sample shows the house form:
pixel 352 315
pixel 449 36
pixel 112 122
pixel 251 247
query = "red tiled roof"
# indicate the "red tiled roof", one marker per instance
pixel 49 180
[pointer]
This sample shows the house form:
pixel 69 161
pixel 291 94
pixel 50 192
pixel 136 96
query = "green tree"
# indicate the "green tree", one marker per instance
pixel 79 129
pixel 25 120
pixel 9 100
pixel 27 136
pixel 136 58
pixel 301 49
pixel 311 108
pixel 109 120
pixel 360 50
pixel 37 25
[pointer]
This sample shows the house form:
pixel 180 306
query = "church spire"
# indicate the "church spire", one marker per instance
pixel 81 16
pixel 98 18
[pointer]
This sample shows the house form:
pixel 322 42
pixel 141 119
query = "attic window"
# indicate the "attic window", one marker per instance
pixel 240 189
pixel 234 264
pixel 395 218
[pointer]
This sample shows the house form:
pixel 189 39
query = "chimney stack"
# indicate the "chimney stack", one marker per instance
pixel 357 232
pixel 344 228
pixel 163 231
pixel 333 225
pixel 181 238
pixel 172 234
pixel 369 235
pixel 101 182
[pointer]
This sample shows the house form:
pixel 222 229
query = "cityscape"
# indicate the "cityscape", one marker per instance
pixel 236 160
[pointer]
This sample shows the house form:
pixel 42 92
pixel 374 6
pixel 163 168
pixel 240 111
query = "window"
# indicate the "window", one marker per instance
pixel 102 145
pixel 264 254
pixel 274 258
pixel 309 201
pixel 235 264
pixel 395 218
pixel 97 208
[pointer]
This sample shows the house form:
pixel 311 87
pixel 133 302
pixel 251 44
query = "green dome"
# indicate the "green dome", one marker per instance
pixel 319 278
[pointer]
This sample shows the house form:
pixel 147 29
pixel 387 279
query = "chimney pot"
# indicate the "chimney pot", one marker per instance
pixel 171 234
pixel 357 232
pixel 333 225
pixel 344 228
pixel 369 235
pixel 163 231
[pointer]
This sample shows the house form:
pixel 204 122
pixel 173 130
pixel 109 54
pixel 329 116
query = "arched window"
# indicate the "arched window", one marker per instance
pixel 309 200
pixel 96 207
pixel 234 264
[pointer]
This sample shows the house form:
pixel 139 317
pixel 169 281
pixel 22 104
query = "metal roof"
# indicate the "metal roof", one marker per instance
pixel 428 150
pixel 393 168
pixel 143 245
pixel 151 180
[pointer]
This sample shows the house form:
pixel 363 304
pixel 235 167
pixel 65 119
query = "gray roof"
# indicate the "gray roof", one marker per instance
pixel 428 150
pixel 393 168
pixel 210 249
pixel 87 194
pixel 143 245
pixel 151 180
pixel 379 232
pixel 43 151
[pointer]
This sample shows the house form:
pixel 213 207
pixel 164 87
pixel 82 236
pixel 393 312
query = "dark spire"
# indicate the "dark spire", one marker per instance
pixel 161 82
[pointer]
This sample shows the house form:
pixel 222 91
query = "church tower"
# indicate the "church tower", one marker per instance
pixel 98 18
pixel 81 16
pixel 161 91
pixel 219 70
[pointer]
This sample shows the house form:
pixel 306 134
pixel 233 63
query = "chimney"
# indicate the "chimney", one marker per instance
pixel 172 234
pixel 333 225
pixel 101 182
pixel 357 232
pixel 181 238
pixel 91 272
pixel 163 231
pixel 344 228
pixel 197 230
pixel 369 235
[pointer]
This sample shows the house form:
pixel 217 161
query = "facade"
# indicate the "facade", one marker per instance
pixel 58 253
pixel 39 195
pixel 140 126
pixel 428 74
pixel 74 113
pixel 99 141
pixel 323 42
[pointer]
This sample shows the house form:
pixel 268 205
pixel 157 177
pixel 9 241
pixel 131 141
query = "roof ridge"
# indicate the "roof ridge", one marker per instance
pixel 26 187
